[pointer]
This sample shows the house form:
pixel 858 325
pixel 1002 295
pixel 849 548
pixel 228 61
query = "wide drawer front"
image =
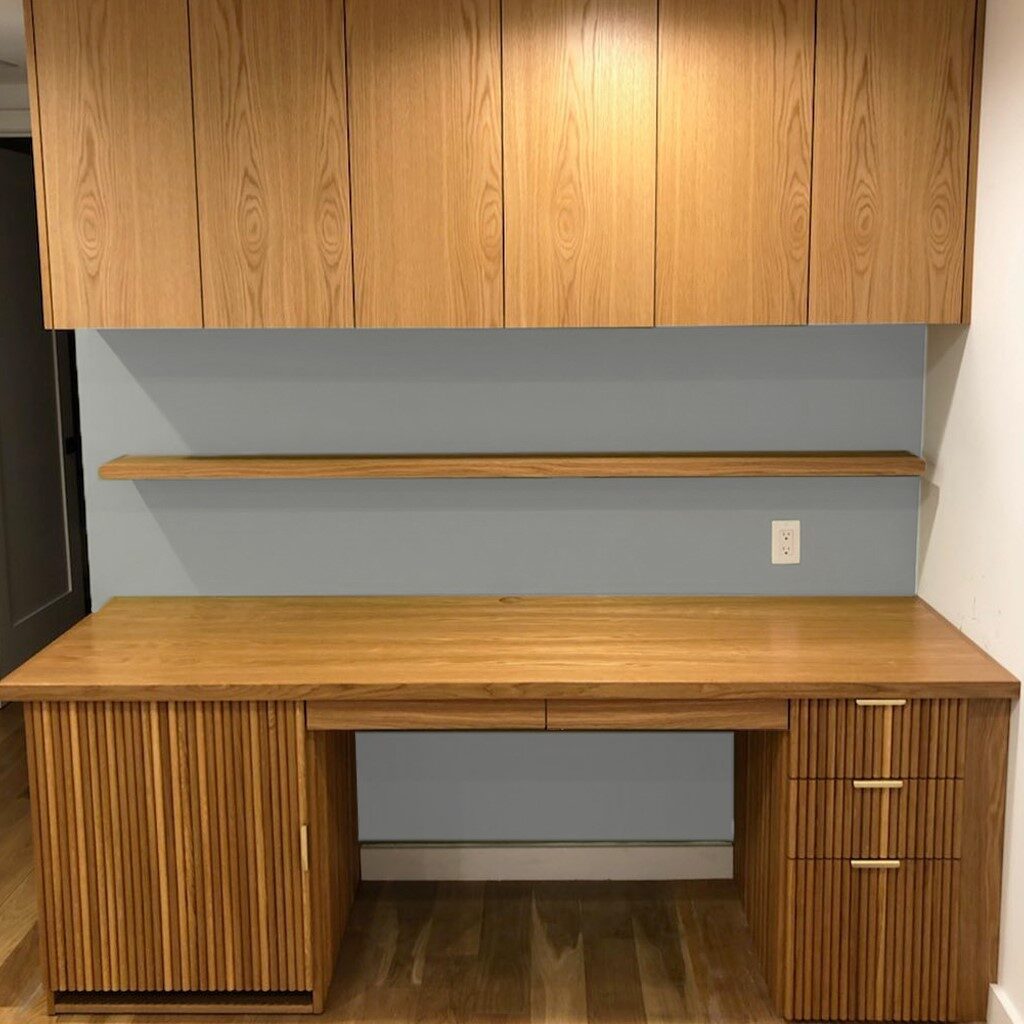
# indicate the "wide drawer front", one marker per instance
pixel 866 739
pixel 873 943
pixel 875 818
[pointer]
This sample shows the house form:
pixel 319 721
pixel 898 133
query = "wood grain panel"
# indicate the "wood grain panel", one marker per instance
pixel 37 163
pixel 985 782
pixel 114 114
pixel 170 837
pixel 424 714
pixel 668 714
pixel 843 740
pixel 496 464
pixel 832 818
pixel 873 943
pixel 734 161
pixel 761 869
pixel 972 163
pixel 425 131
pixel 522 647
pixel 272 162
pixel 891 138
pixel 580 100
pixel 334 869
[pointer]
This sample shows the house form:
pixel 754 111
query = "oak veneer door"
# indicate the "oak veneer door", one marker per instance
pixel 169 846
pixel 272 162
pixel 734 160
pixel 425 138
pixel 580 94
pixel 114 116
pixel 891 136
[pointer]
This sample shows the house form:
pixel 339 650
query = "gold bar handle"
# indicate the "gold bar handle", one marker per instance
pixel 877 783
pixel 304 847
pixel 876 864
pixel 881 702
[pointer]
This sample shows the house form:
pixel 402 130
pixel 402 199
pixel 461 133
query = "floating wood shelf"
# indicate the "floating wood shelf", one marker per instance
pixel 535 465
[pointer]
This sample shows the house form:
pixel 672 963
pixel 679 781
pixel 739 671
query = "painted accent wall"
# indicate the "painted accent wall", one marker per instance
pixel 972 508
pixel 307 391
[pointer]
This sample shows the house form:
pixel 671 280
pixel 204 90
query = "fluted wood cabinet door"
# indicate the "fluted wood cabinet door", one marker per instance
pixel 580 98
pixel 113 123
pixel 892 110
pixel 734 161
pixel 425 129
pixel 169 846
pixel 271 128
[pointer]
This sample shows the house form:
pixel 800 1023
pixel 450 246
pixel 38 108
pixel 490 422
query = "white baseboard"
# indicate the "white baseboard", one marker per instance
pixel 474 862
pixel 1001 1008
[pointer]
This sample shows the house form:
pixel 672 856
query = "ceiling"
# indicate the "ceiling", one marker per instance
pixel 12 42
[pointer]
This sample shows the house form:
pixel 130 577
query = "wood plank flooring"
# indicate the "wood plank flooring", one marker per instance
pixel 486 953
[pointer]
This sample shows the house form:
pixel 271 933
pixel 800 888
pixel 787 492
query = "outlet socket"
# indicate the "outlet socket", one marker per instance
pixel 785 542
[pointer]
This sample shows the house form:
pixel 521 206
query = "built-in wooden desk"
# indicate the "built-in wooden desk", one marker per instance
pixel 193 778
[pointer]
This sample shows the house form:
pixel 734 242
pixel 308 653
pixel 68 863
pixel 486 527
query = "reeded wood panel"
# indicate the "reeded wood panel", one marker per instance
pixel 425 131
pixel 873 943
pixel 171 849
pixel 833 818
pixel 272 162
pixel 115 125
pixel 734 161
pixel 580 103
pixel 840 739
pixel 891 137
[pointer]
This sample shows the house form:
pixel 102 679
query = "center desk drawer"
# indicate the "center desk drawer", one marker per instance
pixel 875 819
pixel 877 739
pixel 415 715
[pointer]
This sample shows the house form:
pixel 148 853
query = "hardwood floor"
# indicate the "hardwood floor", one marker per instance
pixel 487 953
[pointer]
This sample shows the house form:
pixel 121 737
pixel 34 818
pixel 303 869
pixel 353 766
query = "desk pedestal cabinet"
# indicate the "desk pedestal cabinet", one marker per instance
pixel 869 852
pixel 200 851
pixel 204 854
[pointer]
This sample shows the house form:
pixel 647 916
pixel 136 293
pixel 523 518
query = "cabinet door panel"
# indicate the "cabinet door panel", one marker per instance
pixel 170 847
pixel 734 157
pixel 114 110
pixel 425 130
pixel 272 162
pixel 891 133
pixel 580 144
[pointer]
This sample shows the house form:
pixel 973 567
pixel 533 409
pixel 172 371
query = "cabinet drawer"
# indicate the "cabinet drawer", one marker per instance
pixel 873 943
pixel 864 739
pixel 855 818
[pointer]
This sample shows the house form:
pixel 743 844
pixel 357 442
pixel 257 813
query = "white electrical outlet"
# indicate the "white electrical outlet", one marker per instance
pixel 785 542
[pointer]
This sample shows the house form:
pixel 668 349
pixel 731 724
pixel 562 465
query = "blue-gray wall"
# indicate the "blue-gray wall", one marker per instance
pixel 323 391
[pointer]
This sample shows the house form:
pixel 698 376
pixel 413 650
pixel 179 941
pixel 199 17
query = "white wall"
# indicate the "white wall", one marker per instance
pixel 971 562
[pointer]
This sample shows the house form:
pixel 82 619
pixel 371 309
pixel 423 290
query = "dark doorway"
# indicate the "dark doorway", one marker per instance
pixel 43 574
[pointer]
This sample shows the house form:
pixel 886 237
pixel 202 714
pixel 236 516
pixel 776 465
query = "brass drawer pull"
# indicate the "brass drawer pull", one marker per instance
pixel 877 783
pixel 881 702
pixel 878 864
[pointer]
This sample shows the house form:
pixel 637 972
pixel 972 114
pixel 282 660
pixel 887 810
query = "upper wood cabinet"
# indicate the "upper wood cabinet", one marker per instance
pixel 113 113
pixel 527 163
pixel 425 144
pixel 734 161
pixel 892 123
pixel 580 79
pixel 271 138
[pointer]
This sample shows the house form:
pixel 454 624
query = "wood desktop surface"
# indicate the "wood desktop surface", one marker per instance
pixel 449 648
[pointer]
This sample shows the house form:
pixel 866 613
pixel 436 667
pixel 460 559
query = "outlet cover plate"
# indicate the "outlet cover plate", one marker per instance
pixel 785 542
